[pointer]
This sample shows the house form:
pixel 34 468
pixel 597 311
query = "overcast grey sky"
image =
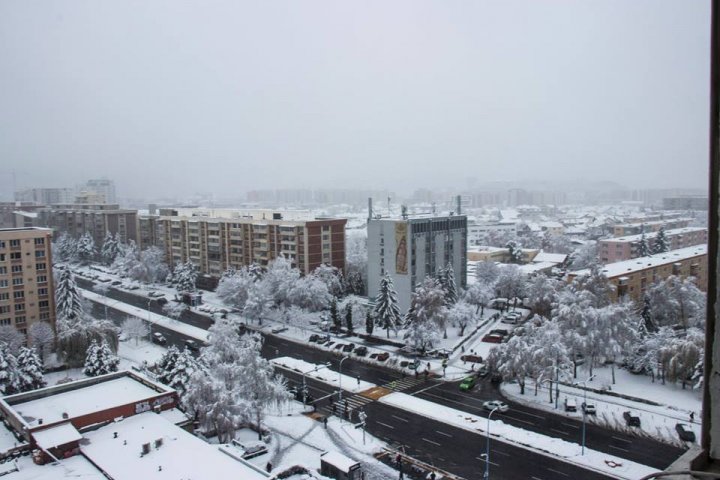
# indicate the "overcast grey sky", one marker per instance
pixel 182 96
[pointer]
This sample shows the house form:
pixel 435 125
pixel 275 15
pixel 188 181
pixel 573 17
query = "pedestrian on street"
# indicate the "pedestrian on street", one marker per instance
pixel 268 467
pixel 325 422
pixel 432 475
pixel 692 417
pixel 358 379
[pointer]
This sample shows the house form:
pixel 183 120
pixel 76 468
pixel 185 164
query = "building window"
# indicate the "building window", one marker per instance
pixel 40 266
pixel 19 307
pixel 4 296
pixel 2 243
pixel 43 304
pixel 44 316
pixel 20 320
pixel 14 243
pixel 15 255
pixel 42 291
pixel 3 270
pixel 39 253
pixel 2 257
pixel 17 281
pixel 5 322
pixel 39 241
pixel 19 294
pixel 3 283
pixel 16 268
pixel 42 278
pixel 4 308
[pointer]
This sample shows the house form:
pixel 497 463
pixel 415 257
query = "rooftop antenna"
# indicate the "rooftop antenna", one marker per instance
pixel 370 212
pixel 389 206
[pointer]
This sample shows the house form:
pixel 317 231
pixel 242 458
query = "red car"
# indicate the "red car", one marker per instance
pixel 493 338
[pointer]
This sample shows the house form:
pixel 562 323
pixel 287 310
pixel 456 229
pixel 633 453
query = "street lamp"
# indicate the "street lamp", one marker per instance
pixel 340 378
pixel 487 447
pixel 584 383
pixel 304 387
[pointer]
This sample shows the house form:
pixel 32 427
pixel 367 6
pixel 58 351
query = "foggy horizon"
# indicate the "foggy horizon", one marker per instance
pixel 169 99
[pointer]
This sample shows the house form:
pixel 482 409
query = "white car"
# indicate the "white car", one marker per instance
pixel 502 407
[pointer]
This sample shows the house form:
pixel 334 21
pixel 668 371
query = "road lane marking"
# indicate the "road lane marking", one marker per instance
pixel 561 432
pixel 558 472
pixel 498 452
pixel 425 389
pixel 400 418
pixel 529 414
pixel 621 439
pixel 430 441
pixel 618 448
pixel 443 433
pixel 570 425
pixel 385 425
pixel 482 459
pixel 535 478
pixel 518 420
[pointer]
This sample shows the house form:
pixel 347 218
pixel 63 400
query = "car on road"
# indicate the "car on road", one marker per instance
pixel 361 351
pixel 467 384
pixel 493 338
pixel 483 372
pixel 339 346
pixel 570 405
pixel 589 408
pixel 159 338
pixel 440 353
pixel 501 406
pixel 192 345
pixel 631 420
pixel 161 300
pixel 116 282
pixel 684 432
pixel 279 329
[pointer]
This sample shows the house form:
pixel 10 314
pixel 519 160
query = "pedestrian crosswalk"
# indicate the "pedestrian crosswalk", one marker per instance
pixel 402 384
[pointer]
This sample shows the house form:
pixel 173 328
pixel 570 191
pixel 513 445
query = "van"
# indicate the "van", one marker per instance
pixel 570 405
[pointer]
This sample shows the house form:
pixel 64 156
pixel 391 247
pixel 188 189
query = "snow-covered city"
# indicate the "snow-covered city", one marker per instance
pixel 244 253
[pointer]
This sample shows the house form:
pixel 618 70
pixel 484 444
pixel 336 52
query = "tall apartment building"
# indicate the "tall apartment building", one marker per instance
pixel 45 196
pixel 632 277
pixel 409 249
pixel 27 293
pixel 101 186
pixel 95 219
pixel 215 244
pixel 618 249
pixel 620 230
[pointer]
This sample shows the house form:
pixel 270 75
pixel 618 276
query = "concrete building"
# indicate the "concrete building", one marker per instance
pixel 45 196
pixel 625 248
pixel 623 229
pixel 686 202
pixel 27 292
pixel 409 249
pixel 633 277
pixel 479 233
pixel 237 239
pixel 95 219
pixel 100 186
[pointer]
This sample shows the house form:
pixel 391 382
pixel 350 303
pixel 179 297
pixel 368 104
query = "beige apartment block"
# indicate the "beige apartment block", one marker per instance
pixel 618 249
pixel 632 278
pixel 95 219
pixel 27 292
pixel 622 229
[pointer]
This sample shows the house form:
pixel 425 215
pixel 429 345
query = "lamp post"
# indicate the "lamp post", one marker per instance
pixel 584 383
pixel 304 387
pixel 340 378
pixel 487 446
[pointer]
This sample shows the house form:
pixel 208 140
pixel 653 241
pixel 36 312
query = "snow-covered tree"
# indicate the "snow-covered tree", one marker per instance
pixel 309 293
pixel 646 324
pixel 151 266
pixel 41 337
pixel 550 354
pixel 184 276
pixel 100 360
pixel 686 353
pixel 597 285
pixel 511 283
pixel 661 244
pixel 676 301
pixel 134 328
pixel 29 370
pixel 387 311
pixel 447 282
pixel 514 360
pixel 515 252
pixel 584 257
pixel 66 248
pixel 356 262
pixel 166 364
pixel 86 248
pixel 423 333
pixel 643 249
pixel 75 336
pixel 428 308
pixel 369 323
pixel 67 296
pixel 234 286
pixel 12 338
pixel 332 278
pixel 127 259
pixel 8 371
pixel 461 315
pixel 182 369
pixel 110 248
pixel 541 292
pixel 555 244
pixel 487 272
pixel 174 310
pixel 335 314
pixel 479 294
pixel 278 281
pixel 349 319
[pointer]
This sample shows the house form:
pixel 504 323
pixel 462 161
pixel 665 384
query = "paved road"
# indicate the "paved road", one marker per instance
pixel 639 449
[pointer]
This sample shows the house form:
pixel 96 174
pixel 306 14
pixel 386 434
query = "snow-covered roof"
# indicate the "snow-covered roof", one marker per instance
pixel 84 400
pixel 179 455
pixel 543 257
pixel 26 214
pixel 650 235
pixel 338 460
pixel 625 267
pixel 55 436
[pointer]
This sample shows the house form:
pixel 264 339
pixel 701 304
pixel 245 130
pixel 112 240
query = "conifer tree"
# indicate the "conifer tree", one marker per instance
pixel 386 305
pixel 110 248
pixel 334 315
pixel 349 319
pixel 85 248
pixel 67 297
pixel 30 375
pixel 8 371
pixel 643 247
pixel 179 377
pixel 369 323
pixel 166 364
pixel 100 360
pixel 449 286
pixel 661 244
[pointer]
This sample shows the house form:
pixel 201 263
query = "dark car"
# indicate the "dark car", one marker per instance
pixel 684 432
pixel 192 345
pixel 380 357
pixel 493 338
pixel 483 372
pixel 631 420
pixel 161 300
pixel 472 358
pixel 500 331
pixel 361 351
pixel 349 347
pixel 314 338
pixel 159 338
pixel 116 282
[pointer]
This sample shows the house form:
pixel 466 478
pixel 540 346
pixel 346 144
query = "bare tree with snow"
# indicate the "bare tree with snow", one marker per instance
pixel 41 337
pixel 134 328
pixel 461 315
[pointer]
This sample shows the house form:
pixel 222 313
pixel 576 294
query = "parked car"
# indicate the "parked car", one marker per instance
pixel 339 346
pixel 570 405
pixel 380 357
pixel 500 331
pixel 361 351
pixel 493 338
pixel 279 329
pixel 440 353
pixel 161 300
pixel 493 404
pixel 467 384
pixel 116 282
pixel 349 347
pixel 192 345
pixel 631 420
pixel 483 372
pixel 329 343
pixel 589 408
pixel 314 338
pixel 472 358
pixel 684 432
pixel 159 338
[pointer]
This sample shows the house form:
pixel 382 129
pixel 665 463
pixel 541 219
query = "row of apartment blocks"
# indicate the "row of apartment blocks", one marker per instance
pixel 632 278
pixel 215 244
pixel 626 248
pixel 636 228
pixel 27 293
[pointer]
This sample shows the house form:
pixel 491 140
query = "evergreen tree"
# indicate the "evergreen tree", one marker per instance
pixel 349 319
pixel 8 371
pixel 386 305
pixel 643 247
pixel 369 323
pixel 515 252
pixel 334 315
pixel 661 244
pixel 67 297
pixel 86 248
pixel 449 286
pixel 91 360
pixel 100 360
pixel 184 277
pixel 646 323
pixel 110 248
pixel 30 376
pixel 166 364
pixel 179 377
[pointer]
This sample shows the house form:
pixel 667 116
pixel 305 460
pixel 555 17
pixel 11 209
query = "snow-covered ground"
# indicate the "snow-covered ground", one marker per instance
pixel 323 374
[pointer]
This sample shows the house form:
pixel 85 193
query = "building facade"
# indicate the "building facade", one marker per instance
pixel 216 244
pixel 618 249
pixel 27 292
pixel 45 196
pixel 632 278
pixel 95 219
pixel 409 249
pixel 636 228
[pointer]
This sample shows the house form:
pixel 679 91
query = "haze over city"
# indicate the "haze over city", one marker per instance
pixel 224 97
